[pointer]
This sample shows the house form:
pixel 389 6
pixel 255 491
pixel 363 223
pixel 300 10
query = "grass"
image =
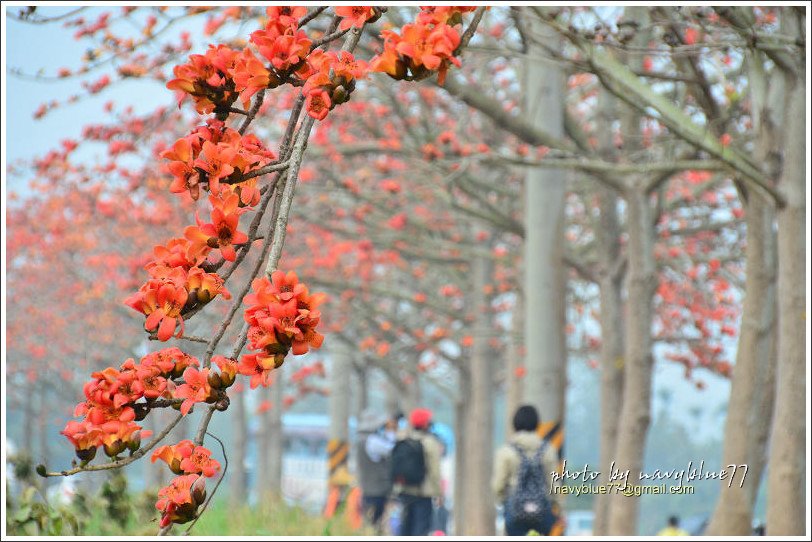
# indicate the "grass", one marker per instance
pixel 271 518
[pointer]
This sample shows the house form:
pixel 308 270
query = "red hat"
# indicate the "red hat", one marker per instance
pixel 420 418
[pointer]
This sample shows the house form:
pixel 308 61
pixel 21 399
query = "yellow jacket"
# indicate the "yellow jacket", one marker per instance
pixel 673 531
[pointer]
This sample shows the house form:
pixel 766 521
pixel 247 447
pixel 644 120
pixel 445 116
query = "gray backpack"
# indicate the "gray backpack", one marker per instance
pixel 529 502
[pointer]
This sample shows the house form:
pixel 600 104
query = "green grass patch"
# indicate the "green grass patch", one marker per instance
pixel 270 518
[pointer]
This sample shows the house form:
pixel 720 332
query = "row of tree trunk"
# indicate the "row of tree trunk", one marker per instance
pixel 766 409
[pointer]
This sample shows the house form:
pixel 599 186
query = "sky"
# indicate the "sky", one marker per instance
pixel 46 48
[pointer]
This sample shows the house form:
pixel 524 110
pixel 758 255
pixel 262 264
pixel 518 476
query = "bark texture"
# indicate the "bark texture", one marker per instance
pixel 635 413
pixel 786 496
pixel 545 279
pixel 611 316
pixel 752 391
pixel 478 502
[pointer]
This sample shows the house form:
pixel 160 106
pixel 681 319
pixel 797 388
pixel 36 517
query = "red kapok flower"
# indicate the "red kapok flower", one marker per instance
pixel 170 361
pixel 355 16
pixel 179 500
pixel 85 437
pixel 200 461
pixel 259 367
pixel 251 75
pixel 162 299
pixel 195 389
pixel 318 103
pixel 203 287
pixel 222 232
pixel 174 454
pixel 282 315
pixel 185 175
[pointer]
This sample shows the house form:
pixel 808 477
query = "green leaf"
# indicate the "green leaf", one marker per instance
pixel 56 526
pixel 23 514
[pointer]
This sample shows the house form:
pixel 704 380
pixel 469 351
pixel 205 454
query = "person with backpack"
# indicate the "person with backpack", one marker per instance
pixel 521 478
pixel 416 473
pixel 376 439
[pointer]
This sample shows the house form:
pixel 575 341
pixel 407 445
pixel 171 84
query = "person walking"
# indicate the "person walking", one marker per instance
pixel 522 478
pixel 672 529
pixel 376 438
pixel 416 473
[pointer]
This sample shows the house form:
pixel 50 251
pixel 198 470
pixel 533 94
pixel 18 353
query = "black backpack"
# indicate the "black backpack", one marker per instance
pixel 408 462
pixel 529 503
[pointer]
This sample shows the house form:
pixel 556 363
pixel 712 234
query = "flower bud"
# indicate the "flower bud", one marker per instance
pixel 400 70
pixel 278 360
pixel 227 379
pixel 86 455
pixel 215 380
pixel 340 95
pixel 199 491
pixel 191 301
pixel 376 16
pixel 222 403
pixel 174 466
pixel 112 450
pixel 135 441
pixel 203 296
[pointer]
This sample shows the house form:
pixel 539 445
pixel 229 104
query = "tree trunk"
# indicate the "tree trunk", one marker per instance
pixel 641 280
pixel 635 412
pixel 515 360
pixel 749 412
pixel 264 436
pixel 276 444
pixel 362 399
pixel 544 278
pixel 611 352
pixel 392 404
pixel 236 466
pixel 461 428
pixel 611 316
pixel 478 502
pixel 786 504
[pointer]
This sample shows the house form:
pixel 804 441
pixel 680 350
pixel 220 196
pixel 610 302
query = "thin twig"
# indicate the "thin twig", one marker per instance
pixel 270 168
pixel 312 15
pixel 249 117
pixel 192 338
pixel 243 338
pixel 204 423
pixel 213 491
pixel 328 38
pixel 469 32
pixel 281 224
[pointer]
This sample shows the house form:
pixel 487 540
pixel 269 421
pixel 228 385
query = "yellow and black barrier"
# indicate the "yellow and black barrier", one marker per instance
pixel 553 433
pixel 341 491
